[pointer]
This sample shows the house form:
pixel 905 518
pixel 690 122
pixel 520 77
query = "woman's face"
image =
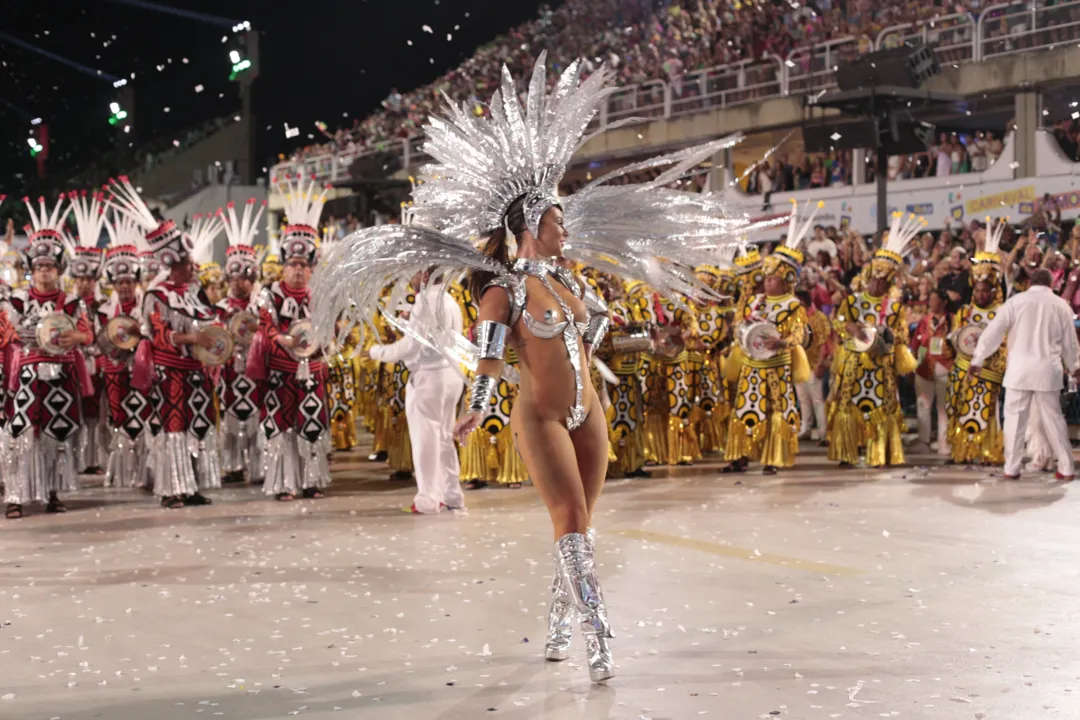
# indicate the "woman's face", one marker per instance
pixel 552 233
pixel 925 286
pixel 937 305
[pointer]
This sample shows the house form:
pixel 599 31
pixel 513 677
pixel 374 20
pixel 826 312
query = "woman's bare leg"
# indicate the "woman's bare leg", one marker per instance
pixel 551 459
pixel 591 447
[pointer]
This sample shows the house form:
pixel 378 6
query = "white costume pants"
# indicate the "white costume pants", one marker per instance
pixel 927 391
pixel 1020 405
pixel 431 408
pixel 811 406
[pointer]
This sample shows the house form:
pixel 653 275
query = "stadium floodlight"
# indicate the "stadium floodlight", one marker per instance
pixel 120 83
pixel 238 68
pixel 35 121
pixel 114 107
pixel 234 56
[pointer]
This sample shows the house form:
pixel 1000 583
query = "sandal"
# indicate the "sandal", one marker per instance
pixel 474 484
pixel 172 502
pixel 314 494
pixel 768 470
pixel 198 499
pixel 514 486
pixel 13 512
pixel 284 497
pixel 55 506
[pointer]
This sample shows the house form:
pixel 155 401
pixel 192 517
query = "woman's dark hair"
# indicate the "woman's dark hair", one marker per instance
pixel 944 296
pixel 496 247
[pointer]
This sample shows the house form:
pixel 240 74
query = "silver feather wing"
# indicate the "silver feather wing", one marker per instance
pixel 350 280
pixel 648 232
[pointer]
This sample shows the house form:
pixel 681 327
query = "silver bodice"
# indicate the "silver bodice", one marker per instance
pixel 551 325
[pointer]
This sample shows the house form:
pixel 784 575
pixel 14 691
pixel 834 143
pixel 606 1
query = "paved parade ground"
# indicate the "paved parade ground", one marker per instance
pixel 923 592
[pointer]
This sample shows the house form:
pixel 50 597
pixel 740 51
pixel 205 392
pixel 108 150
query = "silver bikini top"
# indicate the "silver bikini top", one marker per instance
pixel 550 326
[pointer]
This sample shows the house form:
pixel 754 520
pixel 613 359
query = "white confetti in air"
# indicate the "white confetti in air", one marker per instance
pixel 427 29
pixel 449 37
pixel 198 88
pixel 885 533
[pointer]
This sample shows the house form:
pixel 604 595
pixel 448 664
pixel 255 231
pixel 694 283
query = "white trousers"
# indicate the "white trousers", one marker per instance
pixel 431 409
pixel 1020 405
pixel 811 405
pixel 927 391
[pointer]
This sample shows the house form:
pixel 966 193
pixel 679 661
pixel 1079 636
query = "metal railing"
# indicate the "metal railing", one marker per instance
pixel 1003 29
pixel 1021 27
pixel 954 35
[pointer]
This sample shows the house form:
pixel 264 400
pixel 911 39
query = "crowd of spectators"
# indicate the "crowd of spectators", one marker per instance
pixel 953 154
pixel 639 40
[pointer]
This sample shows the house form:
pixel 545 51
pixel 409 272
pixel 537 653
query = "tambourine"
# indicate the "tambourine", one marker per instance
pixel 303 332
pixel 220 352
pixel 243 326
pixel 753 339
pixel 967 338
pixel 119 338
pixel 48 331
pixel 879 341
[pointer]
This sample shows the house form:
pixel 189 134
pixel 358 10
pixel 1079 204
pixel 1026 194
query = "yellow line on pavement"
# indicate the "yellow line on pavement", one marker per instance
pixel 738 553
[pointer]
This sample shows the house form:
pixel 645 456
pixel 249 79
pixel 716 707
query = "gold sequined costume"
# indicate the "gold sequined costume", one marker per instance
pixel 975 436
pixel 713 330
pixel 627 398
pixel 341 391
pixel 669 413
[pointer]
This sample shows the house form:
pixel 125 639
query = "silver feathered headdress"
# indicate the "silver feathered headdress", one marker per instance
pixel 482 164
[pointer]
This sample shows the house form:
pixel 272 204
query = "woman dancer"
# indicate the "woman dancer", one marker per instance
pixel 497 178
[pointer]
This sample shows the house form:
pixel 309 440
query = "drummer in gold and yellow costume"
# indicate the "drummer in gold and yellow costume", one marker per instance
pixel 670 409
pixel 341 390
pixel 974 433
pixel 625 350
pixel 764 424
pixel 711 339
pixel 864 408
pixel 395 380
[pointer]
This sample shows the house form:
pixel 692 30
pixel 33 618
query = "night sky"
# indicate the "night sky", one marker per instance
pixel 321 60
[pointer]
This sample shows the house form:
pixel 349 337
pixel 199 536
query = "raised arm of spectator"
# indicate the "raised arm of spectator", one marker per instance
pixel 1010 259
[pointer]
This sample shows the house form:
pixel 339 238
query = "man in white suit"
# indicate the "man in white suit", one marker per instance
pixel 1042 340
pixel 435 386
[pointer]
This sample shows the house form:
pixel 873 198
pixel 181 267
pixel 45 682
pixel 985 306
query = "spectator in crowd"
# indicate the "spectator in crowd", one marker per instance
pixel 928 343
pixel 821 243
pixel 954 278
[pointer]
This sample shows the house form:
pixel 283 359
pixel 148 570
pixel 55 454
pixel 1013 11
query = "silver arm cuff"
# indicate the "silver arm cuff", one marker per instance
pixel 596 329
pixel 491 337
pixel 482 389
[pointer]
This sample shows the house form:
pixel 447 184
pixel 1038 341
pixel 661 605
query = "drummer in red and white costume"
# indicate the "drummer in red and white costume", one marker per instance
pixel 149 267
pixel 242 444
pixel 128 410
pixel 294 408
pixel 85 269
pixel 183 456
pixel 46 383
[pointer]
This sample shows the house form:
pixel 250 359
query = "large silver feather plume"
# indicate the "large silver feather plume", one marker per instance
pixel 353 273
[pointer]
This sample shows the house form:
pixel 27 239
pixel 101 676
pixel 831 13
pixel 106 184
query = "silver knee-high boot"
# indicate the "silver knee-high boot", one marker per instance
pixel 576 553
pixel 560 616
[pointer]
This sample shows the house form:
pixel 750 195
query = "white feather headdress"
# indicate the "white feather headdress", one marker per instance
pixel 48 238
pixel 241 257
pixel 89 212
pixel 204 229
pixel 163 238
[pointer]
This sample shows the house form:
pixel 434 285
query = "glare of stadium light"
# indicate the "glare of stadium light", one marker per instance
pixel 234 56
pixel 35 121
pixel 121 115
pixel 114 108
pixel 127 128
pixel 32 142
pixel 120 83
